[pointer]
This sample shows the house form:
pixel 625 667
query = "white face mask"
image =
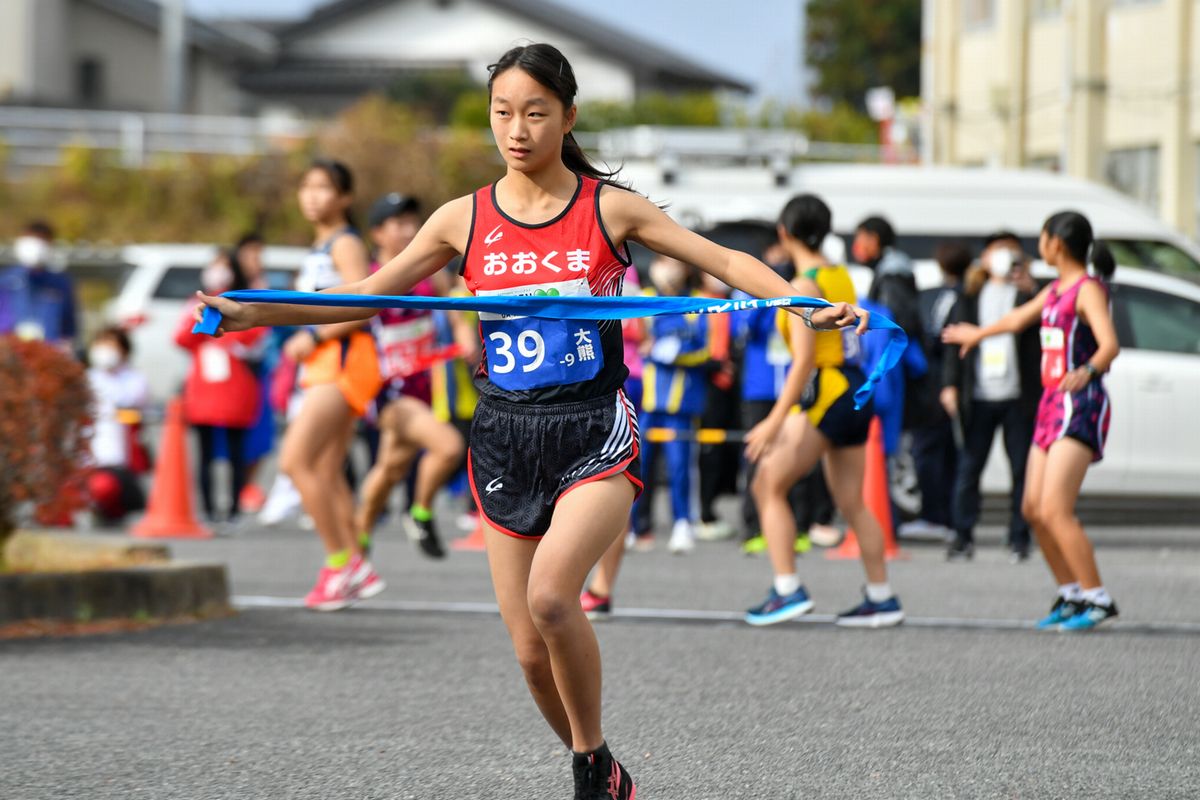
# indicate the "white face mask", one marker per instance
pixel 667 277
pixel 104 356
pixel 1000 262
pixel 216 278
pixel 32 251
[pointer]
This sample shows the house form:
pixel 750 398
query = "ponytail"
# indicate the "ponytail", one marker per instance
pixel 1103 264
pixel 577 161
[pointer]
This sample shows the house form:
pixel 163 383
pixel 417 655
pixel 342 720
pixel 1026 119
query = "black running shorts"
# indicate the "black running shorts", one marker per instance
pixel 524 457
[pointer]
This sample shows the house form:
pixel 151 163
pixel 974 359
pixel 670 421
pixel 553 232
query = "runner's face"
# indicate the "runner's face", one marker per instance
pixel 320 201
pixel 1047 248
pixel 528 121
pixel 394 235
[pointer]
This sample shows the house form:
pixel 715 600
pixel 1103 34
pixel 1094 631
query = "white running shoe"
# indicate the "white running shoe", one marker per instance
pixel 283 502
pixel 824 535
pixel 715 531
pixel 924 531
pixel 683 538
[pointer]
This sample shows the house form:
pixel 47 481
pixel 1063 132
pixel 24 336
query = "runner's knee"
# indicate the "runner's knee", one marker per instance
pixel 551 607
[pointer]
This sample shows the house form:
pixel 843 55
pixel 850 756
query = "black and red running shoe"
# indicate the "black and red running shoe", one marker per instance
pixel 599 776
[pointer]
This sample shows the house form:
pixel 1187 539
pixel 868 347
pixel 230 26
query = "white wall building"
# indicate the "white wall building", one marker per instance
pixel 1101 89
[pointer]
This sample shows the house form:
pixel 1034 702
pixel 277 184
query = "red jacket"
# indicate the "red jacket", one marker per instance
pixel 220 389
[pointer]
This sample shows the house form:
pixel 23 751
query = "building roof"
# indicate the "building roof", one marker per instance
pixel 230 42
pixel 642 55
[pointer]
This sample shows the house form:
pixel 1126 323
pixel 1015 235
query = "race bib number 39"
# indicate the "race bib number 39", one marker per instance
pixel 1054 357
pixel 531 353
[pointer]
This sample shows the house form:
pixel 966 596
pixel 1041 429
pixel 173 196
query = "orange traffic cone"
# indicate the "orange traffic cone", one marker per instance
pixel 875 495
pixel 473 542
pixel 169 515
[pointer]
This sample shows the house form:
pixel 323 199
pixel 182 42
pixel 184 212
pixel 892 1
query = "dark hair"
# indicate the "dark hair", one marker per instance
pixel 339 175
pixel 1075 232
pixel 881 228
pixel 807 218
pixel 248 238
pixel 549 67
pixel 39 228
pixel 240 281
pixel 1001 236
pixel 119 336
pixel 953 257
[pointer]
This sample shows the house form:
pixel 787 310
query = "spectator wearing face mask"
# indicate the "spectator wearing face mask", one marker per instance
pixel 676 357
pixel 998 385
pixel 221 392
pixel 119 395
pixel 37 300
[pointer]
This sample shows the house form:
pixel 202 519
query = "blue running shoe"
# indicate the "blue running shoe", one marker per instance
pixel 1091 616
pixel 868 614
pixel 778 608
pixel 1060 612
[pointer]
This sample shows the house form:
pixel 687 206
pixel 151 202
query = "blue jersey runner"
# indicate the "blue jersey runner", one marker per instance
pixel 580 308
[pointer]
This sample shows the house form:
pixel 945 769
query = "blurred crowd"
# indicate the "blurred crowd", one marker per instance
pixel 939 413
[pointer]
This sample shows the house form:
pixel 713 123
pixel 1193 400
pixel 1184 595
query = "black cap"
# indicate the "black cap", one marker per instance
pixel 392 204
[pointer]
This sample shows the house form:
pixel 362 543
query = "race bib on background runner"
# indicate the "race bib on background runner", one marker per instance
pixel 405 345
pixel 528 353
pixel 1054 357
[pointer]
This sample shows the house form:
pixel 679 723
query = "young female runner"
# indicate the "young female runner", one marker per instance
pixel 554 446
pixel 814 420
pixel 1079 344
pixel 340 375
pixel 406 423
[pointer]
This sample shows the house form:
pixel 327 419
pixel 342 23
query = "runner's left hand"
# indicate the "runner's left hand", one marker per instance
pixel 841 315
pixel 1075 380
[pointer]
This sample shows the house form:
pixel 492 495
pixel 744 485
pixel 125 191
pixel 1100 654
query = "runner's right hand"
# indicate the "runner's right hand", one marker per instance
pixel 235 316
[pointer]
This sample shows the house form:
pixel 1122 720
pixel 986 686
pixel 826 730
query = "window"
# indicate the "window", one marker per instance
pixel 178 283
pixel 1135 172
pixel 89 81
pixel 978 13
pixel 281 278
pixel 1150 320
pixel 1155 255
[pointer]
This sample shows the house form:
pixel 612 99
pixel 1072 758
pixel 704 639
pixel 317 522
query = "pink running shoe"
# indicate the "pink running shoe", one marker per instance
pixel 364 580
pixel 595 606
pixel 331 590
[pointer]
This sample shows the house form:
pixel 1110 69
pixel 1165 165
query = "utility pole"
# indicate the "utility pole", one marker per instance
pixel 1085 23
pixel 1176 160
pixel 174 56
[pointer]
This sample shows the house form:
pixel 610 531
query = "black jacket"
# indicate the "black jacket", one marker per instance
pixel 960 372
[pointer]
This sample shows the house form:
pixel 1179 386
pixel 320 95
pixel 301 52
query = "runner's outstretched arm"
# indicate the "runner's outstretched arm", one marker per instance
pixel 439 240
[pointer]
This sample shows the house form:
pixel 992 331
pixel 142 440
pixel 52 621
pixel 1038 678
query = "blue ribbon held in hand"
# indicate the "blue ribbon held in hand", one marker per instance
pixel 585 308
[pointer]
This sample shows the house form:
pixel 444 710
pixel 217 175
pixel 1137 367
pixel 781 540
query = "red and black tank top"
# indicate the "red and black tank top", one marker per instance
pixel 530 360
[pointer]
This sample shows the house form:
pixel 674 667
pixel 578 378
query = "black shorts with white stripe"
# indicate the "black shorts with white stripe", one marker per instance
pixel 523 457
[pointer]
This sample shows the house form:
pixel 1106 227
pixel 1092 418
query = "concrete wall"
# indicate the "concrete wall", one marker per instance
pixel 1137 76
pixel 465 32
pixel 15 23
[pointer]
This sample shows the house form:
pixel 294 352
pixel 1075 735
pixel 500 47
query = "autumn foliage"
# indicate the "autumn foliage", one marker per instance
pixel 45 423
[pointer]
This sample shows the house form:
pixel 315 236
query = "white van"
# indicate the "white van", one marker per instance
pixel 152 298
pixel 924 204
pixel 1155 382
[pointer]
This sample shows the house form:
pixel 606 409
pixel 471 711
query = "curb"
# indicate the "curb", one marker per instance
pixel 138 593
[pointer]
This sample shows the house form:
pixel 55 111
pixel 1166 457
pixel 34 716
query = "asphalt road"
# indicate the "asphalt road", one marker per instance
pixel 416 694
